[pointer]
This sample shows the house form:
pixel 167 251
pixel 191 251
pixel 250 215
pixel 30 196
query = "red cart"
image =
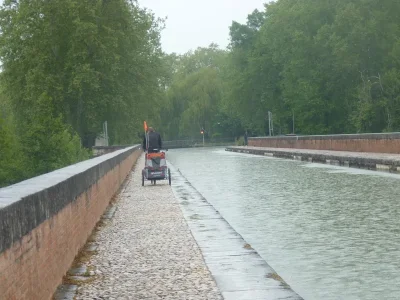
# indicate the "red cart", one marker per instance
pixel 156 168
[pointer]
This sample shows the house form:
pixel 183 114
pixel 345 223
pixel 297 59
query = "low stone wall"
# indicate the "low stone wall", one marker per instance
pixel 364 160
pixel 101 150
pixel 46 220
pixel 376 143
pixel 193 143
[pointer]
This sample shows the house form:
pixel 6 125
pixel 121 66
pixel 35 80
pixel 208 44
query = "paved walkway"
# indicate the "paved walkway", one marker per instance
pixel 148 251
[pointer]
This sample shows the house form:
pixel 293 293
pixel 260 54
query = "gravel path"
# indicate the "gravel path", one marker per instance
pixel 148 251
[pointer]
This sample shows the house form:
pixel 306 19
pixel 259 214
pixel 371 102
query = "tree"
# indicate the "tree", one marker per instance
pixel 70 65
pixel 11 158
pixel 194 94
pixel 331 64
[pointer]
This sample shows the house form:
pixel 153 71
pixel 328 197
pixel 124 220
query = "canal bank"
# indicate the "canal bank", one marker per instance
pixel 363 160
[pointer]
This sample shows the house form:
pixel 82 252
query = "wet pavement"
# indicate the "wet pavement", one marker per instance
pixel 240 272
pixel 147 251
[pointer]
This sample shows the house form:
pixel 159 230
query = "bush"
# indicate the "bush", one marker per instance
pixel 50 144
pixel 44 143
pixel 240 141
pixel 11 159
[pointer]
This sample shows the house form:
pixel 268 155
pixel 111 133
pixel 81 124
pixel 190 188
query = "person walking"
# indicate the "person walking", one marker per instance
pixel 154 142
pixel 245 138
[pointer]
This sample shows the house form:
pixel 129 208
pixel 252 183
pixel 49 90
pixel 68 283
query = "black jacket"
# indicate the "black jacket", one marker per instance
pixel 154 141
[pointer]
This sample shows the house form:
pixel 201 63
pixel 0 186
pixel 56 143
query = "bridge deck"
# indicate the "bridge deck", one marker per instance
pixel 169 243
pixel 148 252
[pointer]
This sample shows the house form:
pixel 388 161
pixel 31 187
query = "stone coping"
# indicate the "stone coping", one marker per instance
pixel 25 205
pixel 365 160
pixel 373 136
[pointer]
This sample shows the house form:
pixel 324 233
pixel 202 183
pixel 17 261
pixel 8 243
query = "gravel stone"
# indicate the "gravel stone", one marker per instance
pixel 147 250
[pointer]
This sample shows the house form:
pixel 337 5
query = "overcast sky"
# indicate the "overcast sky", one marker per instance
pixel 194 23
pixel 198 23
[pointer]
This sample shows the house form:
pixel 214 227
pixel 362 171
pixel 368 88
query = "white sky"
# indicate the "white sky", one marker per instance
pixel 198 23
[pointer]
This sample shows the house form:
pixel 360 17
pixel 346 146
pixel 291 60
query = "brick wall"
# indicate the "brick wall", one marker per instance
pixel 37 251
pixel 378 143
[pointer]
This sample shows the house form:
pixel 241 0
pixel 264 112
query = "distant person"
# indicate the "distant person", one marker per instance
pixel 154 141
pixel 245 138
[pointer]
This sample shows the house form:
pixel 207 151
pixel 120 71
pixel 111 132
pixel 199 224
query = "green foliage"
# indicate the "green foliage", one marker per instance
pixel 194 96
pixel 48 141
pixel 240 141
pixel 11 156
pixel 333 64
pixel 68 66
pixel 11 166
pixel 97 60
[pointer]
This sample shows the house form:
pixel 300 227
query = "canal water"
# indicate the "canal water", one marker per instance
pixel 330 232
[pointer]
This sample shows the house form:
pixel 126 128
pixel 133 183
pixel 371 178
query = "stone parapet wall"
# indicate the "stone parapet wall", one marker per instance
pixel 101 150
pixel 376 143
pixel 46 220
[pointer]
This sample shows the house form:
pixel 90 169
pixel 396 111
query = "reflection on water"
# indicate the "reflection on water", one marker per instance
pixel 330 232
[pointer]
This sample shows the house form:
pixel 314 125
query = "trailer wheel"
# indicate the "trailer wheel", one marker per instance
pixel 169 176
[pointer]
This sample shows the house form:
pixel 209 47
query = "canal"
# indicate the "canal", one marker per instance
pixel 330 232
